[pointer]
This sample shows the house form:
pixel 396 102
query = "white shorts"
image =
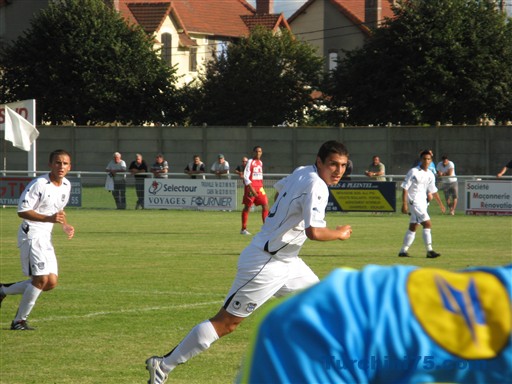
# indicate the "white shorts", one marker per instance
pixel 37 254
pixel 260 276
pixel 419 213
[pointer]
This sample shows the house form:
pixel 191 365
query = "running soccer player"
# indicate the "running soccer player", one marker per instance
pixel 418 189
pixel 389 324
pixel 254 193
pixel 40 206
pixel 270 265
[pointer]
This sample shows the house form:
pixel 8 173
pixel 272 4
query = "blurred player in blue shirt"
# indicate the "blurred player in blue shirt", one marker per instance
pixel 398 324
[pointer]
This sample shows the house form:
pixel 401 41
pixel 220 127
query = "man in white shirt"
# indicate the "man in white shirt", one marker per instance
pixel 40 206
pixel 270 265
pixel 220 167
pixel 418 188
pixel 446 172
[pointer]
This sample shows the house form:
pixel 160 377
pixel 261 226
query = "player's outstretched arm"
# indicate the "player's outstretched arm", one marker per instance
pixel 342 232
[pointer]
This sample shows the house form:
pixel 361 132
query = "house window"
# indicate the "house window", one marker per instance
pixel 167 48
pixel 222 47
pixel 333 60
pixel 193 59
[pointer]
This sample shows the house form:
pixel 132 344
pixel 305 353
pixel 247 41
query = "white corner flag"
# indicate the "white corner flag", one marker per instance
pixel 18 130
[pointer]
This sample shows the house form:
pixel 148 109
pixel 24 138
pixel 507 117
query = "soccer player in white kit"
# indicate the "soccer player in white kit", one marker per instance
pixel 418 189
pixel 270 265
pixel 40 206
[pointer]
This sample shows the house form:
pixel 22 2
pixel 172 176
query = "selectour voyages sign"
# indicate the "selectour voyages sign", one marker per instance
pixel 214 194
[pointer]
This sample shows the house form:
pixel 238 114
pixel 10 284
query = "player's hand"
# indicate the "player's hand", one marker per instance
pixel 405 209
pixel 59 217
pixel 443 208
pixel 344 231
pixel 69 230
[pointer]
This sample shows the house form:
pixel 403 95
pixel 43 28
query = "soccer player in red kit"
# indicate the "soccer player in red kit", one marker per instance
pixel 253 191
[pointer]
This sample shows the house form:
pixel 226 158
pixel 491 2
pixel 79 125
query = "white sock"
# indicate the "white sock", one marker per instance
pixel 16 288
pixel 427 238
pixel 198 340
pixel 408 240
pixel 27 302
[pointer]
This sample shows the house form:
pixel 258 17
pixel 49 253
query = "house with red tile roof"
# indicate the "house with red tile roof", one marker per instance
pixel 333 26
pixel 187 32
pixel 190 32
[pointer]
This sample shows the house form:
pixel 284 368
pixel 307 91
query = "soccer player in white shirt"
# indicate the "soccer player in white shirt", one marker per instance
pixel 40 206
pixel 418 188
pixel 270 265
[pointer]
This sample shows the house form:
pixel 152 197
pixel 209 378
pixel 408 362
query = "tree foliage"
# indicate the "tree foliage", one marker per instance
pixel 437 60
pixel 82 62
pixel 263 79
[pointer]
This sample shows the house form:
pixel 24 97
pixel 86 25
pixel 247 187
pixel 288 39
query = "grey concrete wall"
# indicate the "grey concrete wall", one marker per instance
pixel 475 150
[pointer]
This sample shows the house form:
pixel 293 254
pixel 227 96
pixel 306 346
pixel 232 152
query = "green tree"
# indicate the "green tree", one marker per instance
pixel 82 62
pixel 437 60
pixel 263 79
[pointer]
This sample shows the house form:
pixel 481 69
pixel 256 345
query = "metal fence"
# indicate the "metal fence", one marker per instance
pixel 93 195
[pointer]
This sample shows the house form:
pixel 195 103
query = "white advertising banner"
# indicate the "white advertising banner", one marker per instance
pixel 489 197
pixel 25 108
pixel 214 194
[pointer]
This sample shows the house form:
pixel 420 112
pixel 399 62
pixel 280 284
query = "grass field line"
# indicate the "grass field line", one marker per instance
pixel 127 311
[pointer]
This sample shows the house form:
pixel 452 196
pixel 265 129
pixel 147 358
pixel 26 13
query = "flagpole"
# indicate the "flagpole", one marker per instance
pixel 5 150
pixel 32 153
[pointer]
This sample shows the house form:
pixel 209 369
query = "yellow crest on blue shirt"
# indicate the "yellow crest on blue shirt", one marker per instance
pixel 466 313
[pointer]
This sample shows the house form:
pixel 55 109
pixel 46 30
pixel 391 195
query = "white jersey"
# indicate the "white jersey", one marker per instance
pixel 44 197
pixel 444 169
pixel 418 183
pixel 302 200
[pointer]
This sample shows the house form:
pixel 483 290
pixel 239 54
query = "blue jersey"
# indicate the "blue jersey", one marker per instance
pixel 399 324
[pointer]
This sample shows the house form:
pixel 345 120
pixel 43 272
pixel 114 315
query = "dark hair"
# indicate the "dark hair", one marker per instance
pixel 58 152
pixel 444 157
pixel 425 152
pixel 256 147
pixel 332 146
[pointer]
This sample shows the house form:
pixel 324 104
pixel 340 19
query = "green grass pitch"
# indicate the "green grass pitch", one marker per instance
pixel 132 283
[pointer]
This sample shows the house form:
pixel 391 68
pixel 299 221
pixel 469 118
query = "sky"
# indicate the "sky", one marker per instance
pixel 288 7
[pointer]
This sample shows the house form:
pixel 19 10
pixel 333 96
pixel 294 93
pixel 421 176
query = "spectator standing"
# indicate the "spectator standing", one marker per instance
pixel 116 169
pixel 254 193
pixel 137 168
pixel 418 188
pixel 160 168
pixel 40 206
pixel 376 170
pixel 446 172
pixel 196 167
pixel 241 167
pixel 504 169
pixel 270 265
pixel 220 167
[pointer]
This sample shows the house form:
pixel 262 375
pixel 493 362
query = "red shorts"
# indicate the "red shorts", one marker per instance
pixel 259 199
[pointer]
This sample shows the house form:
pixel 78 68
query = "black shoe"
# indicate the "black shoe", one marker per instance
pixel 21 325
pixel 2 295
pixel 403 254
pixel 432 254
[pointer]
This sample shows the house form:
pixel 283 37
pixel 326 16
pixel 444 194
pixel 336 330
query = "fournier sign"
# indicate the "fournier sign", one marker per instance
pixel 216 195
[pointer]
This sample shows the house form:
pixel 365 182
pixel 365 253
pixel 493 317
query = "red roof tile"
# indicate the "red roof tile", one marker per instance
pixel 353 9
pixel 273 21
pixel 149 16
pixel 226 18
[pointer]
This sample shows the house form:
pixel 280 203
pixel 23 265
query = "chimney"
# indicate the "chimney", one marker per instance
pixel 264 7
pixel 372 13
